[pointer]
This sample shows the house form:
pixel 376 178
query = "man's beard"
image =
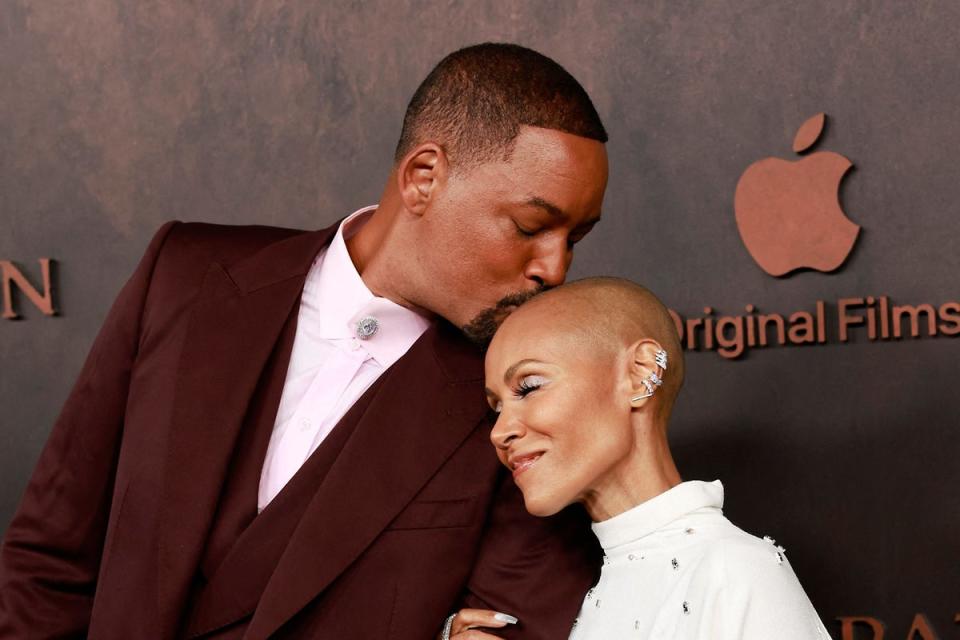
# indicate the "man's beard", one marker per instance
pixel 480 330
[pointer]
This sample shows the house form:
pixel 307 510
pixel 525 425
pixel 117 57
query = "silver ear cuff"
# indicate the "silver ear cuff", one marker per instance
pixel 661 359
pixel 652 382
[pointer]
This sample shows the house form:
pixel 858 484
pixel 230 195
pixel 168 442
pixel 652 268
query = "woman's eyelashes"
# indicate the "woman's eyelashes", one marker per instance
pixel 528 384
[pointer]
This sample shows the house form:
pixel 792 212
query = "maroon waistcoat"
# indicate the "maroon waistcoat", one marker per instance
pixel 243 548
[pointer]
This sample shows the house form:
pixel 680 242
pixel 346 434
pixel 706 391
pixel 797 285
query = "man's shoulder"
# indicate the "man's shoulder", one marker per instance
pixel 185 252
pixel 206 242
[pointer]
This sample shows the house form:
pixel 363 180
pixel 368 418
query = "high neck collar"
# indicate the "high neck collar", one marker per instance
pixel 658 512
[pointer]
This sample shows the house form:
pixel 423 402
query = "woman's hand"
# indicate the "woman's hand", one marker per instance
pixel 467 621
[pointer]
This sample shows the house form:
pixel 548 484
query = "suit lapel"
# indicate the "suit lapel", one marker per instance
pixel 236 322
pixel 428 405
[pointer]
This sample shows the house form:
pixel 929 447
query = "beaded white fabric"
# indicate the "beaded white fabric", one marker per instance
pixel 676 569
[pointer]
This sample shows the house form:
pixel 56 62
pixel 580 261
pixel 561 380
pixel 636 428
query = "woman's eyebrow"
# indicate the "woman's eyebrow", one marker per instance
pixel 513 368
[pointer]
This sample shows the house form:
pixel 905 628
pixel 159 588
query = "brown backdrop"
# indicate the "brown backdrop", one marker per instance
pixel 116 116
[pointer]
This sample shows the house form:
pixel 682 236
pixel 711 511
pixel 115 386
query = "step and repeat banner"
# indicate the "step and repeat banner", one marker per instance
pixel 783 175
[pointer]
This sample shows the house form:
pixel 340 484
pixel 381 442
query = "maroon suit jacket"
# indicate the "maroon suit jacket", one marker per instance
pixel 414 519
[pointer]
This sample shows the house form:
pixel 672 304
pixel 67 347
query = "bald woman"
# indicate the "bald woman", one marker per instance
pixel 584 379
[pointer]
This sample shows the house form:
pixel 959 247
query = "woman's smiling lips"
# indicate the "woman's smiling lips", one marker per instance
pixel 519 464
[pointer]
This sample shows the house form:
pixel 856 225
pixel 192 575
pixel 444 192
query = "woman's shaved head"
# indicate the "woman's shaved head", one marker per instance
pixel 568 373
pixel 607 315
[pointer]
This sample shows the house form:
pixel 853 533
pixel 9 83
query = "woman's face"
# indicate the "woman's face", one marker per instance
pixel 564 423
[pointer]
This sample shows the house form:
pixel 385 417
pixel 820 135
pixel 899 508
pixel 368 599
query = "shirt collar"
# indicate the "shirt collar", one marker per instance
pixel 658 512
pixel 343 299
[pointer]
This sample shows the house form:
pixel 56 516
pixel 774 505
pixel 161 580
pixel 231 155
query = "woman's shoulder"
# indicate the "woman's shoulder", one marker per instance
pixel 739 560
pixel 753 587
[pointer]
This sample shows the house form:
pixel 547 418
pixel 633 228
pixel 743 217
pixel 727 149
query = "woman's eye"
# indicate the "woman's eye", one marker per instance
pixel 529 384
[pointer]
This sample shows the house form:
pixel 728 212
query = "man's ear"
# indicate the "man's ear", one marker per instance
pixel 643 370
pixel 420 174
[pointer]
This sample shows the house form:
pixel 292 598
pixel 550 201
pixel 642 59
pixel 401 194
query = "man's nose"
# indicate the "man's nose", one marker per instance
pixel 550 268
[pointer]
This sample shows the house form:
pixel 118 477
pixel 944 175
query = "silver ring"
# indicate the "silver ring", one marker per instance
pixel 447 627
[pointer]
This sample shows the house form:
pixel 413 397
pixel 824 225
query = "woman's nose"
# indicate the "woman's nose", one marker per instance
pixel 505 431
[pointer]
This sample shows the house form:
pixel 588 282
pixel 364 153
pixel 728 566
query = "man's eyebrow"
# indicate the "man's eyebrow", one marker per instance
pixel 549 207
pixel 557 212
pixel 513 369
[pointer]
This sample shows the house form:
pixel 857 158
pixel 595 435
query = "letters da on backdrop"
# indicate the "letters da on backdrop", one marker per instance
pixel 856 628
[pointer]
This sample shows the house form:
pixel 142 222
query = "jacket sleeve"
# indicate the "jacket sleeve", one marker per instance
pixel 50 557
pixel 537 569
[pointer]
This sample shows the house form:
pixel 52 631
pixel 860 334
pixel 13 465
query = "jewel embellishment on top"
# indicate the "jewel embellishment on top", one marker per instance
pixel 778 549
pixel 367 327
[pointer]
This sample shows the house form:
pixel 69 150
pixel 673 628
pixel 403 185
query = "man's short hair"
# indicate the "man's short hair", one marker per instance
pixel 475 101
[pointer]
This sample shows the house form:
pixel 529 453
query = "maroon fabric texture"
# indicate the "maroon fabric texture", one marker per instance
pixel 238 566
pixel 238 500
pixel 145 483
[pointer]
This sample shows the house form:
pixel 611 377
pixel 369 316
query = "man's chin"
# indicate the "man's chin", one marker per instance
pixel 484 325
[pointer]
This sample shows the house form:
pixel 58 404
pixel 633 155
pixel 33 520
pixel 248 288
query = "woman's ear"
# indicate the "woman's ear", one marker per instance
pixel 420 174
pixel 646 368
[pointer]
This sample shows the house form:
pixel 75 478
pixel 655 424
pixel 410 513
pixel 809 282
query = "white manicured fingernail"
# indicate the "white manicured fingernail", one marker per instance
pixel 505 617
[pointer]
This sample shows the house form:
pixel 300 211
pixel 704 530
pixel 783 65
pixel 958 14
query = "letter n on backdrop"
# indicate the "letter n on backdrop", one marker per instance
pixel 11 276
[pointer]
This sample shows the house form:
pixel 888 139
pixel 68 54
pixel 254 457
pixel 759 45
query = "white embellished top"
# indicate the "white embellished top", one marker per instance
pixel 676 569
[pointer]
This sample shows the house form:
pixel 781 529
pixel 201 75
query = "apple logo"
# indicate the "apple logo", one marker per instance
pixel 789 213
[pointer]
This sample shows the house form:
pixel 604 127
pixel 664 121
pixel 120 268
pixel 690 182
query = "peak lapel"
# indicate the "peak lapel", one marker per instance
pixel 234 326
pixel 424 410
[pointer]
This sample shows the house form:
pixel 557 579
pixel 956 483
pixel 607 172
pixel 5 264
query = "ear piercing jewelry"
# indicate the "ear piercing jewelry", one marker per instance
pixel 661 359
pixel 653 381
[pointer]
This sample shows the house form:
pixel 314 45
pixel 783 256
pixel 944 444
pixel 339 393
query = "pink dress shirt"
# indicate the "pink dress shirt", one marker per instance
pixel 330 365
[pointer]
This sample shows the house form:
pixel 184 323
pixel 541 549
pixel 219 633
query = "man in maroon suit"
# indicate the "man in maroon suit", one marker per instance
pixel 173 498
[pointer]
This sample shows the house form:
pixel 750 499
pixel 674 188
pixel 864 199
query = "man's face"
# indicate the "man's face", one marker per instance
pixel 564 425
pixel 504 230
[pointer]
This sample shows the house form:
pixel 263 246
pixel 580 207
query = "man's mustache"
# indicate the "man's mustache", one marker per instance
pixel 517 299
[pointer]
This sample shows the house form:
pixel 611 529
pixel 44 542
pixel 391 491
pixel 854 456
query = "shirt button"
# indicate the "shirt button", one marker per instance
pixel 367 327
pixel 305 425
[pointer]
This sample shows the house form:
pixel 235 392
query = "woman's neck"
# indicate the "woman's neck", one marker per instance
pixel 646 473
